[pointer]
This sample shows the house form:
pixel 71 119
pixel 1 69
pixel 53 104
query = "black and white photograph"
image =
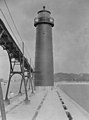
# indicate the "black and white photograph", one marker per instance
pixel 44 59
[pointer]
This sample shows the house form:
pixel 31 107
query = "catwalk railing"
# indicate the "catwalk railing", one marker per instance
pixel 16 57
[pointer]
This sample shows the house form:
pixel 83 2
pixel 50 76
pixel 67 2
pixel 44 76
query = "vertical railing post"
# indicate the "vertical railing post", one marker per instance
pixel 26 99
pixel 34 77
pixel 31 77
pixel 29 74
pixel 21 85
pixel 21 75
pixel 2 107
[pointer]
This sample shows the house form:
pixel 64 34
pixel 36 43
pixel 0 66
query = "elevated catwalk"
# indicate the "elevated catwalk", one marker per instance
pixel 46 104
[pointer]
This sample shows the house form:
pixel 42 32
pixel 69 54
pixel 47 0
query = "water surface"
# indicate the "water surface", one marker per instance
pixel 78 92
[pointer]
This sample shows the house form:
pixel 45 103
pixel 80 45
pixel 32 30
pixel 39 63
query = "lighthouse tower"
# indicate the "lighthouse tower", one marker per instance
pixel 44 72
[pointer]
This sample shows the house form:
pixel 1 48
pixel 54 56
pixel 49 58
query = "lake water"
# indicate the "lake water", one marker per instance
pixel 78 92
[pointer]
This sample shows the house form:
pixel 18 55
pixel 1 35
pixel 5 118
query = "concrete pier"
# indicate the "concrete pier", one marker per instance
pixel 45 104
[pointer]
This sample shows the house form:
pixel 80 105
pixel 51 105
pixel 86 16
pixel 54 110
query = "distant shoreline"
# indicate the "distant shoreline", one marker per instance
pixel 63 82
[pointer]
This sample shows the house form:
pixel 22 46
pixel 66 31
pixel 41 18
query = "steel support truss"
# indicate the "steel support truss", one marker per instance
pixel 25 77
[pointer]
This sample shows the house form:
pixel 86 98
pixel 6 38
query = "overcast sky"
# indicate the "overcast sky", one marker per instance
pixel 70 32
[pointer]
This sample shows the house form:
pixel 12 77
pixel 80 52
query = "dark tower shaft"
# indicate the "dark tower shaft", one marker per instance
pixel 44 49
